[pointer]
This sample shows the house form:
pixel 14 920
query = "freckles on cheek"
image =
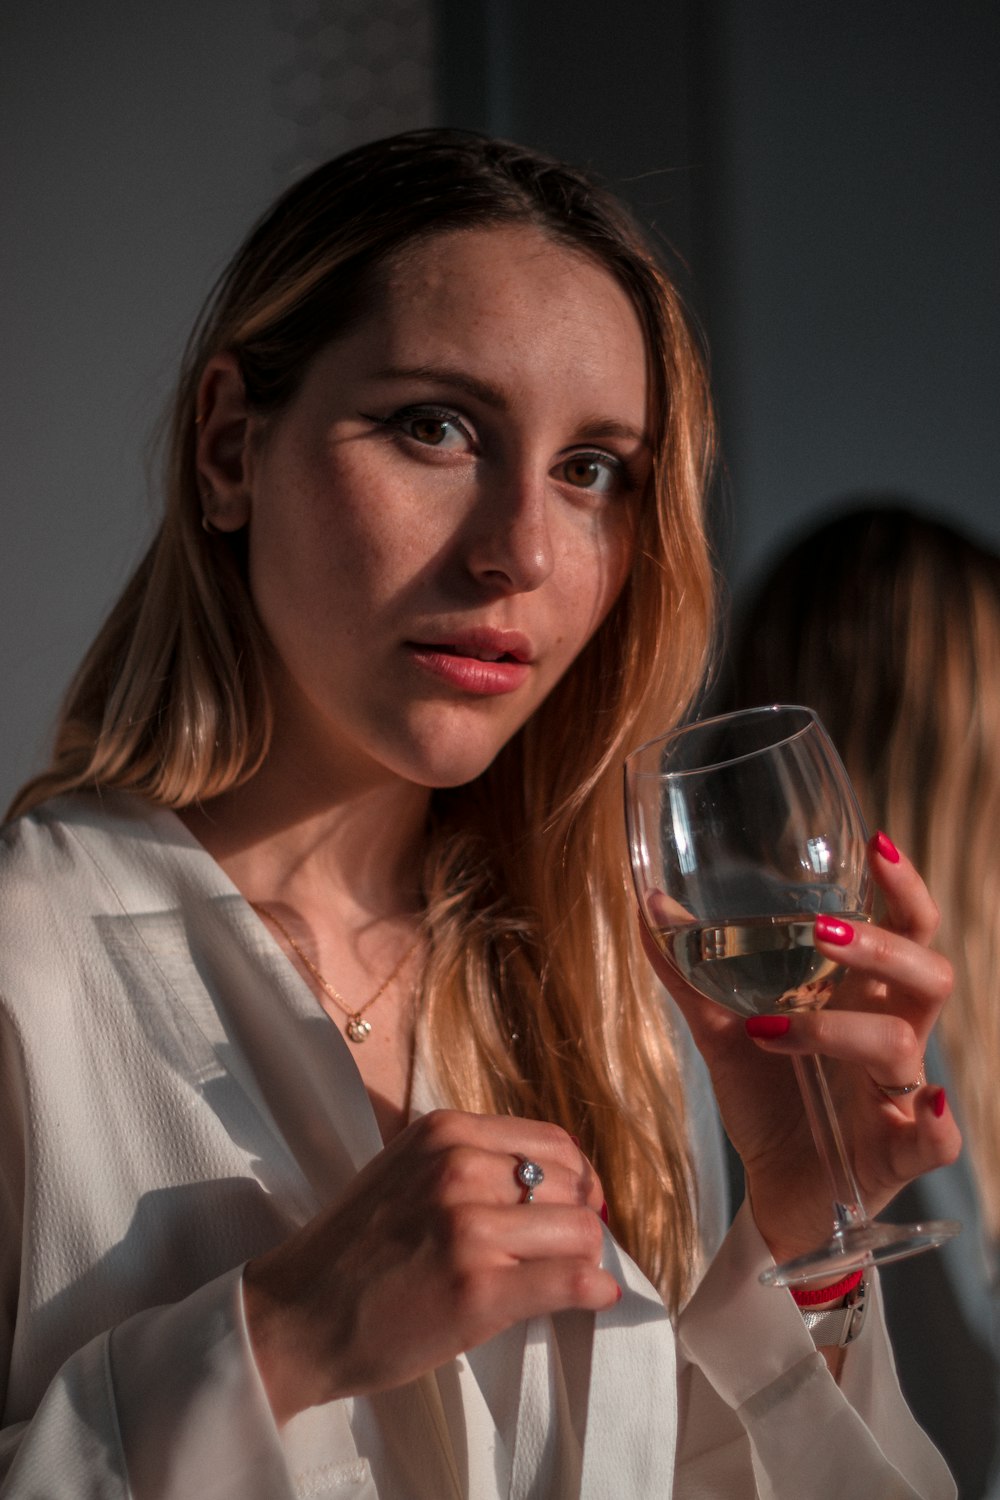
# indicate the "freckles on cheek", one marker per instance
pixel 605 584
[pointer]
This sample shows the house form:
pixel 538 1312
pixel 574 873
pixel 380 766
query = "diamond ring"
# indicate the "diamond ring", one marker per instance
pixel 529 1174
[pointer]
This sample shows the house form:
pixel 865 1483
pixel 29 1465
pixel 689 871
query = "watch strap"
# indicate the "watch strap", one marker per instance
pixel 838 1326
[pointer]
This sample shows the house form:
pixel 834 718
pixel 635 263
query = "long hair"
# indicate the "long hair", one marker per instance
pixel 538 1000
pixel 888 623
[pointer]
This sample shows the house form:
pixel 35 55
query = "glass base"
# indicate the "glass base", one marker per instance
pixel 863 1245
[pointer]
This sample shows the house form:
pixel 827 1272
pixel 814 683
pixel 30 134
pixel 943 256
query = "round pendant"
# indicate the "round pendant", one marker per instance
pixel 357 1029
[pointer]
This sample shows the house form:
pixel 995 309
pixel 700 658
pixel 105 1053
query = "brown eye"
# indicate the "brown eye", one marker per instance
pixel 583 472
pixel 592 471
pixel 429 430
pixel 427 426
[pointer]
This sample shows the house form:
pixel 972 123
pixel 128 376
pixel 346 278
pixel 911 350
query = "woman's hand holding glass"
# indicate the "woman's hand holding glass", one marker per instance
pixel 432 1251
pixel 874 1031
pixel 755 884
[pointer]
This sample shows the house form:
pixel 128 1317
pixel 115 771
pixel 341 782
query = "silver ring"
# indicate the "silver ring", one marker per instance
pixel 529 1174
pixel 897 1091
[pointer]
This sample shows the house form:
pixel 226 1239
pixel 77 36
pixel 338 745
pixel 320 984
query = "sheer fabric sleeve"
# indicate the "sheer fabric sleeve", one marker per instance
pixel 168 1404
pixel 760 1413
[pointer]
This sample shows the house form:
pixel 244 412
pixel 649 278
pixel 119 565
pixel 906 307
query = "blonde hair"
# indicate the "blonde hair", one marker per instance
pixel 888 623
pixel 538 1000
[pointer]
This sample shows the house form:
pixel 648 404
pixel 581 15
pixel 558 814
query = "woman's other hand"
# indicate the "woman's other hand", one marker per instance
pixel 431 1252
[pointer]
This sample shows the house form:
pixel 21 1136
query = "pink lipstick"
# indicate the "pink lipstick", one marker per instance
pixel 481 661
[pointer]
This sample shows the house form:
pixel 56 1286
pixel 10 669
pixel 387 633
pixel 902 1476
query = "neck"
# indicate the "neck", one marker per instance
pixel 309 842
pixel 335 860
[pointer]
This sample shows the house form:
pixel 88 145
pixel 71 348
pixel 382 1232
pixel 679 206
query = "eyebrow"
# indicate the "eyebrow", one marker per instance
pixel 606 427
pixel 492 396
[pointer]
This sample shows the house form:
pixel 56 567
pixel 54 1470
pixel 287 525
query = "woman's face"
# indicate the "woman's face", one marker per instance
pixel 442 517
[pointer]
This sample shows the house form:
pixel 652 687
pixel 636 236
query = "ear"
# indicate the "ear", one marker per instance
pixel 223 455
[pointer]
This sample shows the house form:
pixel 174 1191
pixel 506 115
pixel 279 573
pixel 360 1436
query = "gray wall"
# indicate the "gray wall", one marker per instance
pixel 829 172
pixel 133 149
pixel 137 144
pixel 855 257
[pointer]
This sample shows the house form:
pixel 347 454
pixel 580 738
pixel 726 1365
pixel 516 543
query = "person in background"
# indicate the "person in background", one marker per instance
pixel 887 622
pixel 346 1143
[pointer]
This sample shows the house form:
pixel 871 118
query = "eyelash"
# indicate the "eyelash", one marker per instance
pixel 617 469
pixel 397 421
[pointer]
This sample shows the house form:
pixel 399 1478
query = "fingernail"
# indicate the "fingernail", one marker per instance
pixel 767 1026
pixel 576 1141
pixel 940 1103
pixel 884 845
pixel 619 1297
pixel 604 1212
pixel 832 931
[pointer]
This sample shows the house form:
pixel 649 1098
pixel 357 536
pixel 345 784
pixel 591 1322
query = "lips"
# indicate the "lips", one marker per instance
pixel 480 661
pixel 483 644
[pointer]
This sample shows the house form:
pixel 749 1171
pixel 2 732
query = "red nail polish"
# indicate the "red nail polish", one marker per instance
pixel 884 846
pixel 604 1213
pixel 619 1297
pixel 767 1026
pixel 576 1141
pixel 829 930
pixel 940 1103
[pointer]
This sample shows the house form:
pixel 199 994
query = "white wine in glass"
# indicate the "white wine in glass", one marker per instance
pixel 742 830
pixel 754 966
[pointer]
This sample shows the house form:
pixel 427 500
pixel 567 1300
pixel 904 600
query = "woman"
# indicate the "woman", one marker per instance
pixel 433 558
pixel 888 622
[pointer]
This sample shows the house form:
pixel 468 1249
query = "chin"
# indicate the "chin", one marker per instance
pixel 456 773
pixel 439 765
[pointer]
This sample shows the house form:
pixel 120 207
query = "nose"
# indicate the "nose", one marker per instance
pixel 509 545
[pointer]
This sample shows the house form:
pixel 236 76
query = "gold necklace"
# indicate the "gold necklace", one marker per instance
pixel 356 1027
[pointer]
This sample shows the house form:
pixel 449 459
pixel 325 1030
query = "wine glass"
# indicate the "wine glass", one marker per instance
pixel 741 829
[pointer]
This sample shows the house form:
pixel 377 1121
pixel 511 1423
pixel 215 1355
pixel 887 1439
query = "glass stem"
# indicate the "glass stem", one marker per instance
pixel 848 1210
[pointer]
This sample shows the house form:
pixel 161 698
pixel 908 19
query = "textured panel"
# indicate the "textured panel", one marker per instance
pixel 348 71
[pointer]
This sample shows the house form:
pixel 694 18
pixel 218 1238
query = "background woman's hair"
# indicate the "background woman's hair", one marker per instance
pixel 888 624
pixel 538 1000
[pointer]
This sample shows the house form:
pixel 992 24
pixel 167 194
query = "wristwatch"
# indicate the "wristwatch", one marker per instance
pixel 837 1326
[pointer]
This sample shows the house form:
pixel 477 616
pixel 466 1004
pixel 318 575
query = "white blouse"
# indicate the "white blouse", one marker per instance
pixel 173 1101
